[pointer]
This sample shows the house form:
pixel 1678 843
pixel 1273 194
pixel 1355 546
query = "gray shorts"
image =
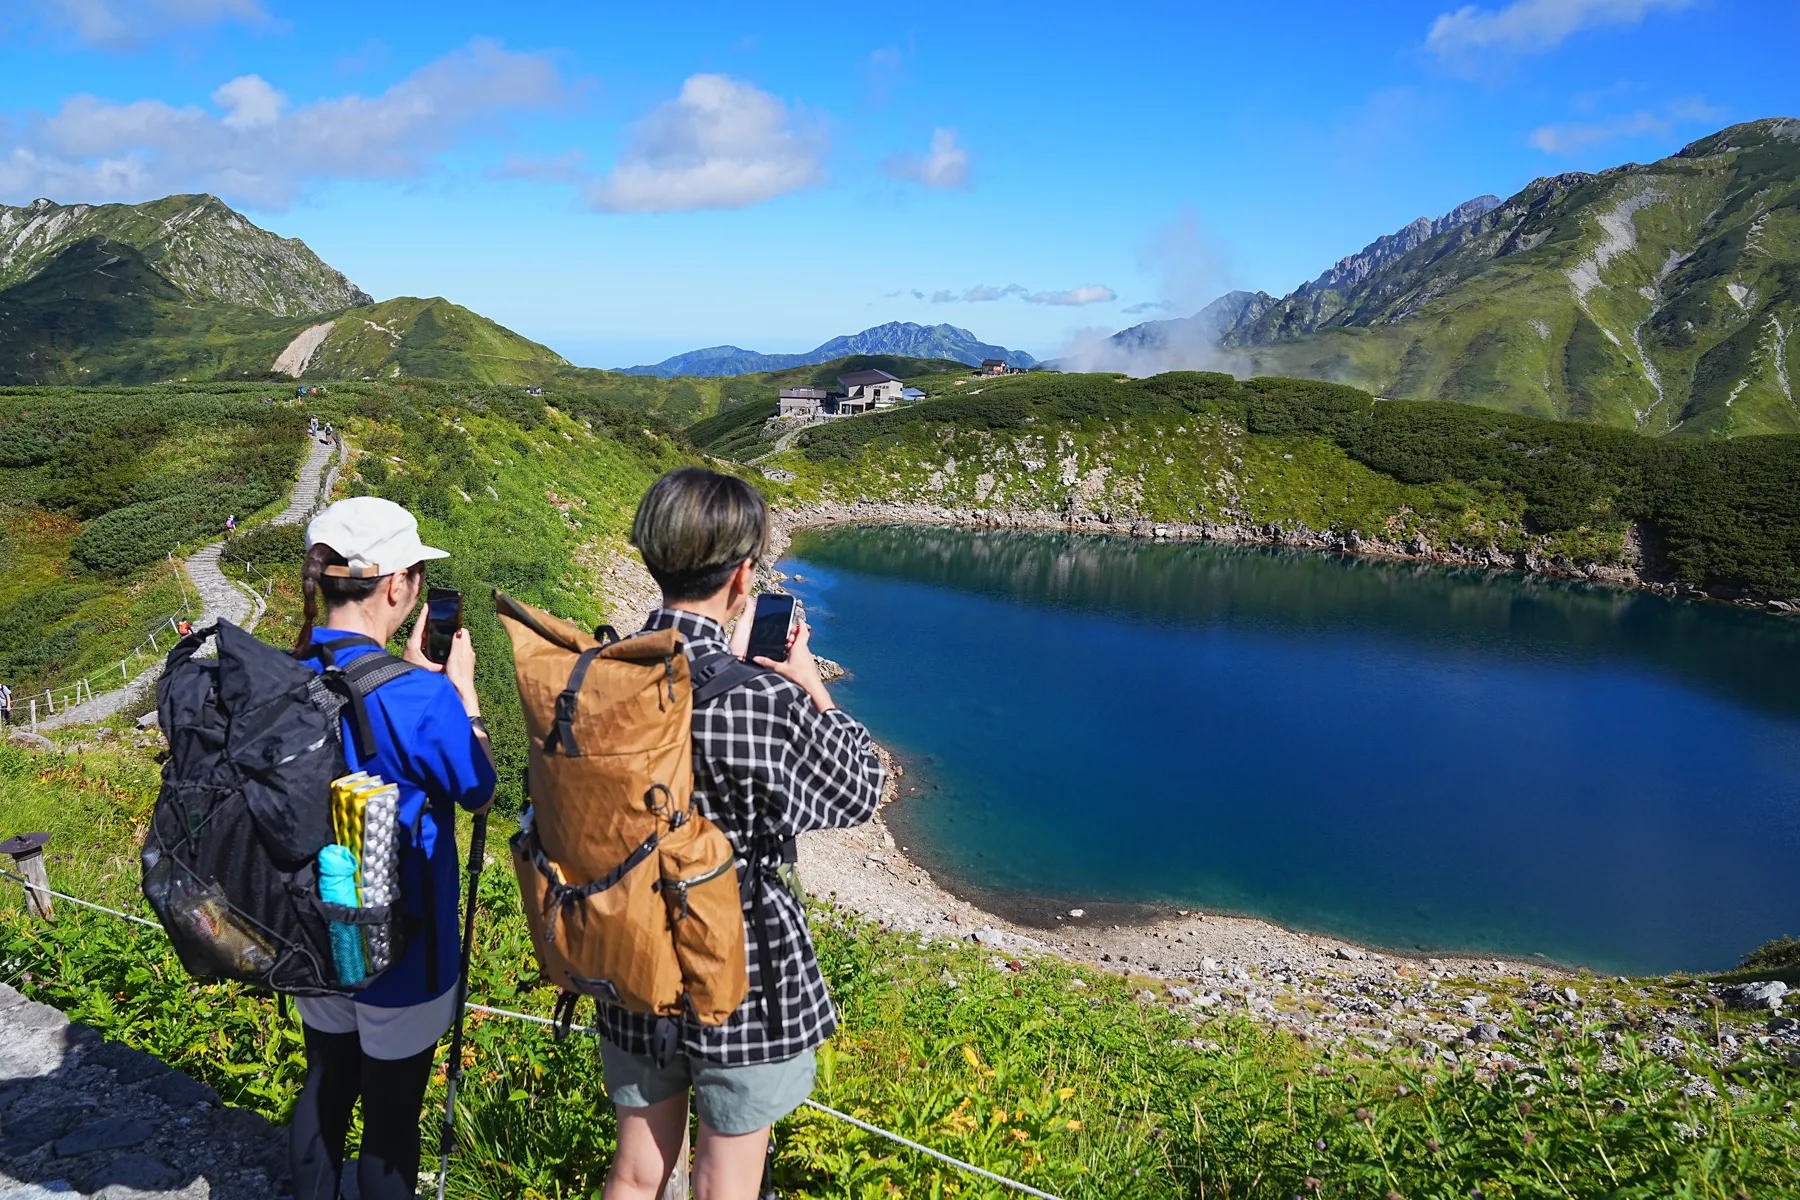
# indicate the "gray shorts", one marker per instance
pixel 730 1100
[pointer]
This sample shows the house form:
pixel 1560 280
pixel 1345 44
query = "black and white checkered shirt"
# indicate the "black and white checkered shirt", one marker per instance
pixel 763 749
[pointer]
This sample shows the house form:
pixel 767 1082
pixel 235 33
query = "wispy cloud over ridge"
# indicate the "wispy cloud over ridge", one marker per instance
pixel 946 165
pixel 721 143
pixel 981 293
pixel 256 150
pixel 1574 137
pixel 1530 26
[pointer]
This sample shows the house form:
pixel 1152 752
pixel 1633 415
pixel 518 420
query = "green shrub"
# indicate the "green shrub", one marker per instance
pixel 135 536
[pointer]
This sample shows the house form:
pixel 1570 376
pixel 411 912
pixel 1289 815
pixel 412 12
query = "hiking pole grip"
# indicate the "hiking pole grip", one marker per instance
pixel 453 1074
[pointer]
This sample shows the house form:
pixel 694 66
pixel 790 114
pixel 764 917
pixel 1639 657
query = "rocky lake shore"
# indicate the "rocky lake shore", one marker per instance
pixel 1294 535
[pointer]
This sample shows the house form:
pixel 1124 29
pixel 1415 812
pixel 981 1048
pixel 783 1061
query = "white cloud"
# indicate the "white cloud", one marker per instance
pixel 945 166
pixel 1571 138
pixel 1531 26
pixel 125 24
pixel 721 143
pixel 249 103
pixel 1146 307
pixel 258 152
pixel 1093 293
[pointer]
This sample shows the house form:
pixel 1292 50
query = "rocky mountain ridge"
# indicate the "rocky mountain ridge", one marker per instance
pixel 904 338
pixel 1657 297
pixel 207 250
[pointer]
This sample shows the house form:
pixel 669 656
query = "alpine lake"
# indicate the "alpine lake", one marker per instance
pixel 1406 756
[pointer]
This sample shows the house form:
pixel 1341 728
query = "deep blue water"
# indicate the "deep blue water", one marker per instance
pixel 1413 757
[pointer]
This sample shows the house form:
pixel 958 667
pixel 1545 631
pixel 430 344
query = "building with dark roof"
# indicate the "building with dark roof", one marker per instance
pixel 865 390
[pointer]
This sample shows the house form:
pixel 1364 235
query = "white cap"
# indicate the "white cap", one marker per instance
pixel 374 536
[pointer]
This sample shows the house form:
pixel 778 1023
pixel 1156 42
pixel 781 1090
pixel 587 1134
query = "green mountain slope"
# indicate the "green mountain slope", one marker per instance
pixel 408 336
pixel 1659 298
pixel 209 252
pixel 1273 455
pixel 100 311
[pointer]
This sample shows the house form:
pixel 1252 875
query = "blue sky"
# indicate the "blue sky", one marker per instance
pixel 626 181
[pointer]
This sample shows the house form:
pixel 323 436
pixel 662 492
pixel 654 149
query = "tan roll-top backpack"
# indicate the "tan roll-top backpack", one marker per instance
pixel 631 894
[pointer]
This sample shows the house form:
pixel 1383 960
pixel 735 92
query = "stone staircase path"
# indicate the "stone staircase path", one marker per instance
pixel 220 597
pixel 84 1117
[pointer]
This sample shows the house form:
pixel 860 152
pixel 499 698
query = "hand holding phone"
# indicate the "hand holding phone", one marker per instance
pixel 772 628
pixel 443 617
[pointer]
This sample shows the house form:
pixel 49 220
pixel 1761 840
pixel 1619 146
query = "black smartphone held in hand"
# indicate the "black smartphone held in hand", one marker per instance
pixel 777 615
pixel 443 617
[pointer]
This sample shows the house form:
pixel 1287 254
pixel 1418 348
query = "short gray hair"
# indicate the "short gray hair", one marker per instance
pixel 694 527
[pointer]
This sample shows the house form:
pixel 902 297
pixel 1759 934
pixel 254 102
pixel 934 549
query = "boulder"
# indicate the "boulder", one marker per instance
pixel 1765 993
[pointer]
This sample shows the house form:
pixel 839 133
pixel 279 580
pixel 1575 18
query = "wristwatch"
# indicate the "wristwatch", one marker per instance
pixel 480 726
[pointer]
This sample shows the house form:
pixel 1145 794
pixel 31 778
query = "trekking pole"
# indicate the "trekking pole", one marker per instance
pixel 453 1076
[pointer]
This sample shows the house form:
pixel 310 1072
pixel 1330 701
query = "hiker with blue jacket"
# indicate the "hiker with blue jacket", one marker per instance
pixel 366 564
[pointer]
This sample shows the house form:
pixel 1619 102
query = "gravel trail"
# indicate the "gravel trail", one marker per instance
pixel 220 598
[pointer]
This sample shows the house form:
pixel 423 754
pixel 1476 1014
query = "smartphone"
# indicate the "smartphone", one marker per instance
pixel 777 616
pixel 443 617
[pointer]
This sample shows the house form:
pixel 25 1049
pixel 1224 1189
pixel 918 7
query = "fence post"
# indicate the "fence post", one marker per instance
pixel 50 700
pixel 34 714
pixel 27 851
pixel 677 1186
pixel 122 673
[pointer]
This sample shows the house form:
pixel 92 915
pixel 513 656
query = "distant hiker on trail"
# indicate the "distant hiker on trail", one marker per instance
pixel 313 428
pixel 773 755
pixel 365 560
pixel 230 524
pixel 5 706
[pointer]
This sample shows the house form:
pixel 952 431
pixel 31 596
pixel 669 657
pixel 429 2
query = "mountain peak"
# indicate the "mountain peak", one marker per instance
pixel 198 242
pixel 905 339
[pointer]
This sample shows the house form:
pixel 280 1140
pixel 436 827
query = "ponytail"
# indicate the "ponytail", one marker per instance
pixel 318 557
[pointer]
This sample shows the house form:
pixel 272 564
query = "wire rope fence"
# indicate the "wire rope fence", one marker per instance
pixel 592 1031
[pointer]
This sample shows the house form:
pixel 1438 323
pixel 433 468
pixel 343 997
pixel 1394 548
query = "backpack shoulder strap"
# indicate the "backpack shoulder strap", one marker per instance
pixel 712 675
pixel 373 670
pixel 358 681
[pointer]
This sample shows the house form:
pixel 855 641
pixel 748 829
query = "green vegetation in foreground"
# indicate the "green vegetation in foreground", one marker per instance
pixel 1074 1081
pixel 97 488
pixel 1195 446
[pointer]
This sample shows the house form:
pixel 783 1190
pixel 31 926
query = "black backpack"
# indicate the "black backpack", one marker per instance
pixel 230 861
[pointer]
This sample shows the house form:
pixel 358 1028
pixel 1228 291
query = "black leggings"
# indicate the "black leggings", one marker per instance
pixel 392 1091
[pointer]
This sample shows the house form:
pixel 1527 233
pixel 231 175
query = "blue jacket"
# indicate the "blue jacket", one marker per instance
pixel 424 744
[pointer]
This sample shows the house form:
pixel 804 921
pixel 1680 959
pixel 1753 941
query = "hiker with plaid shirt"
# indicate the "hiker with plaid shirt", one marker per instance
pixel 773 758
